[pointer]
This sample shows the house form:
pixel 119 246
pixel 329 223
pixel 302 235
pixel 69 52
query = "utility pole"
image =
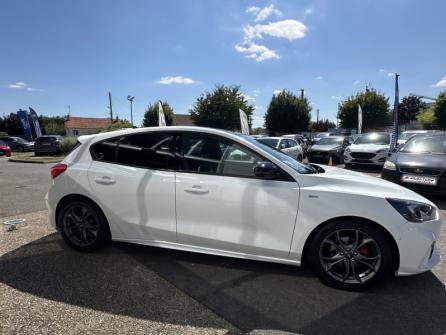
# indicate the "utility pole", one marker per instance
pixel 131 98
pixel 301 94
pixel 317 115
pixel 110 107
pixel 69 110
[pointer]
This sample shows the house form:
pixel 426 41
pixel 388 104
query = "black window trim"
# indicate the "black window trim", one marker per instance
pixel 176 135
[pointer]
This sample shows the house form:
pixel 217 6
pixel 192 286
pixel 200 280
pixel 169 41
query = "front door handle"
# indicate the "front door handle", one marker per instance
pixel 105 180
pixel 196 189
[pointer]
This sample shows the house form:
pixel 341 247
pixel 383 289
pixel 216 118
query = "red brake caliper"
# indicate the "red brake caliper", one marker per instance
pixel 364 250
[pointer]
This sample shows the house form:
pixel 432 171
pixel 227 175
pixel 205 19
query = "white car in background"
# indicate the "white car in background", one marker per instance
pixel 287 145
pixel 408 134
pixel 369 148
pixel 216 192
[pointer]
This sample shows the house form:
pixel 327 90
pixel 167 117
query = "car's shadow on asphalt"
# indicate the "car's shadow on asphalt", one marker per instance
pixel 125 279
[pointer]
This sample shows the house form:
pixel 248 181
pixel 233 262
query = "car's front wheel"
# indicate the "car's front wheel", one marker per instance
pixel 350 255
pixel 83 226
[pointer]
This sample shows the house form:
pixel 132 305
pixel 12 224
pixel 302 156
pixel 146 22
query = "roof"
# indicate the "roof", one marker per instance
pixel 87 123
pixel 183 120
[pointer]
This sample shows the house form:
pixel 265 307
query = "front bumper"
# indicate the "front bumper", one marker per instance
pixel 417 247
pixel 323 156
pixel 368 158
pixel 396 177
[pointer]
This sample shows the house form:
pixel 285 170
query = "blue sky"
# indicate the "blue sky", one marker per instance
pixel 58 53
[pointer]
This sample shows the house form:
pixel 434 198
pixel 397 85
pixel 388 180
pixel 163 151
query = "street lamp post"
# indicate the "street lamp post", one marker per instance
pixel 130 98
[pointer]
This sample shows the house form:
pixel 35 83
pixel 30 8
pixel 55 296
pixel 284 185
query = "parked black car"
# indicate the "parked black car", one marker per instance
pixel 49 144
pixel 330 146
pixel 17 143
pixel 420 164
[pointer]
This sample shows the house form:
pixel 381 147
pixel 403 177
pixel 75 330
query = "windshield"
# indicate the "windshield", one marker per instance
pixel 331 140
pixel 319 135
pixel 294 164
pixel 433 144
pixel 373 139
pixel 272 142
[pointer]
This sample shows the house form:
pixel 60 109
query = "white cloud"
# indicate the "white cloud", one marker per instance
pixel 275 92
pixel 390 74
pixel 289 29
pixel 256 51
pixel 336 97
pixel 19 85
pixel 318 78
pixel 248 97
pixel 356 82
pixel 176 80
pixel 382 70
pixel 308 11
pixel 263 13
pixel 441 83
pixel 32 89
pixel 256 92
pixel 253 10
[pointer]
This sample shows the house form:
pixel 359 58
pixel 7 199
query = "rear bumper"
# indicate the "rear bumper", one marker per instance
pixel 49 149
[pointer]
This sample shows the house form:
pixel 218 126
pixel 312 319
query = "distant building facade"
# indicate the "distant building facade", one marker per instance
pixel 183 120
pixel 77 126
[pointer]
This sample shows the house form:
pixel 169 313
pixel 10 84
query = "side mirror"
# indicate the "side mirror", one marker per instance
pixel 267 170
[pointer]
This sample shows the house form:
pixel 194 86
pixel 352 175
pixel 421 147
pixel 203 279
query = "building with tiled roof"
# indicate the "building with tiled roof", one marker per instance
pixel 183 120
pixel 76 126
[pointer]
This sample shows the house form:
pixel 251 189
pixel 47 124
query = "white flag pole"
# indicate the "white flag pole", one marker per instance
pixel 359 119
pixel 244 125
pixel 161 117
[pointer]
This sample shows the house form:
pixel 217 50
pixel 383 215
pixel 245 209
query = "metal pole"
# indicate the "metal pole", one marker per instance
pixel 131 112
pixel 110 106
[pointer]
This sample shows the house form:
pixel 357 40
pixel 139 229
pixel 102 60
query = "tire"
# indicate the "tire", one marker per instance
pixel 341 258
pixel 36 153
pixel 20 148
pixel 83 226
pixel 299 158
pixel 348 165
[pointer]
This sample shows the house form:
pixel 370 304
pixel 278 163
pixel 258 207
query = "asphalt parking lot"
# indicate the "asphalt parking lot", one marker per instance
pixel 46 287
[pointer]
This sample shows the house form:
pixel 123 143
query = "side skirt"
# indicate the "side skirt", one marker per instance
pixel 202 250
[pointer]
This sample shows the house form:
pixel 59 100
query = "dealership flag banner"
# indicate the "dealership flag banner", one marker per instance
pixel 359 119
pixel 244 123
pixel 161 117
pixel 23 117
pixel 394 139
pixel 35 120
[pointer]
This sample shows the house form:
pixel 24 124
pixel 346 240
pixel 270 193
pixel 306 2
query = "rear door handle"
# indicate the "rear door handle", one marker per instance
pixel 105 180
pixel 196 189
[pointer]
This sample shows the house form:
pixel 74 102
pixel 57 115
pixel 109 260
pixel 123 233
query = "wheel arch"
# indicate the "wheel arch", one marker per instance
pixel 382 229
pixel 72 197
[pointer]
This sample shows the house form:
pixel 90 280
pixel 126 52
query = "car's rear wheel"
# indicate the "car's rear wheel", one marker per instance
pixel 350 255
pixel 83 226
pixel 20 148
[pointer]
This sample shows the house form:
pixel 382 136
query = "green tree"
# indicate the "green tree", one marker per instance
pixel 409 108
pixel 375 110
pixel 54 129
pixel 151 115
pixel 439 109
pixel 11 124
pixel 118 125
pixel 220 108
pixel 287 113
pixel 322 125
pixel 427 119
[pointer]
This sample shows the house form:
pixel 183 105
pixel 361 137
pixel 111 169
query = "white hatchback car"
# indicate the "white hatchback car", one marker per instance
pixel 216 192
pixel 287 145
pixel 369 148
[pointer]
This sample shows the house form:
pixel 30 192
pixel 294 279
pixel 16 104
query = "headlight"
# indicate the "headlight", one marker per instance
pixel 390 165
pixel 414 211
pixel 382 150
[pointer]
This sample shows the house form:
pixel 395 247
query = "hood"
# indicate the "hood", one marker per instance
pixel 428 161
pixel 368 147
pixel 346 181
pixel 325 147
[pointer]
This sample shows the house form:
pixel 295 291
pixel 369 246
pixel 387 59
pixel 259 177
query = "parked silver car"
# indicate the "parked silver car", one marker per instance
pixel 287 145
